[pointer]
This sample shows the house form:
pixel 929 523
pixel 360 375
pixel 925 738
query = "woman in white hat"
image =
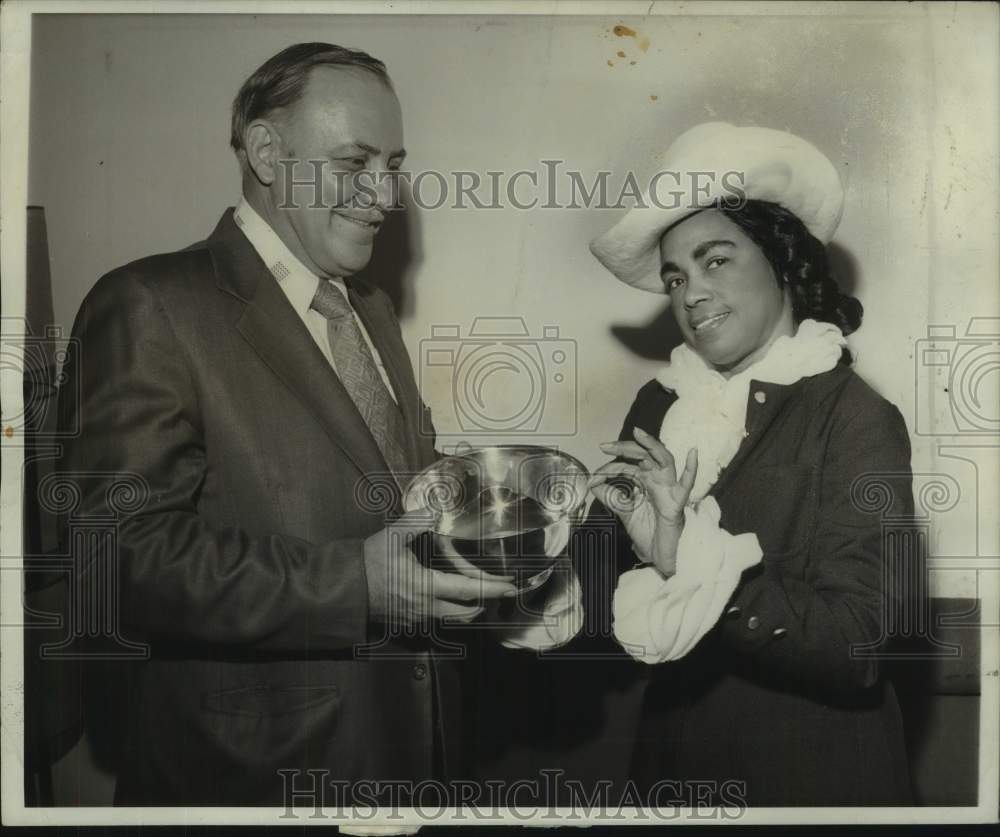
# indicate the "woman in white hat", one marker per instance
pixel 763 590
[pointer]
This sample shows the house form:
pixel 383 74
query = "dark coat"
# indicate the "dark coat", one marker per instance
pixel 785 694
pixel 243 568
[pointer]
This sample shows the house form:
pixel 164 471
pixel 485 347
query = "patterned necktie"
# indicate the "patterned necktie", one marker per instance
pixel 360 376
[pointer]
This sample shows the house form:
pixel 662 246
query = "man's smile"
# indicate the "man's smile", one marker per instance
pixel 368 223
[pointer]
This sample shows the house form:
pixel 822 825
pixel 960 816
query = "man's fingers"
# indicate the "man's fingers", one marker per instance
pixel 466 567
pixel 461 588
pixel 455 612
pixel 414 523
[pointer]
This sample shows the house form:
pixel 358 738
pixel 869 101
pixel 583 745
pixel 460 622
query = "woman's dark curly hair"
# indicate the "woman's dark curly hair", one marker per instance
pixel 800 261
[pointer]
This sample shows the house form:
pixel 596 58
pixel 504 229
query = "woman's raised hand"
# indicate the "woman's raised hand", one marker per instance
pixel 654 516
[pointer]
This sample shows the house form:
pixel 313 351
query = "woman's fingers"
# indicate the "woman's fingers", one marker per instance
pixel 611 496
pixel 656 450
pixel 606 485
pixel 690 473
pixel 653 471
pixel 648 452
pixel 611 470
pixel 670 498
pixel 625 450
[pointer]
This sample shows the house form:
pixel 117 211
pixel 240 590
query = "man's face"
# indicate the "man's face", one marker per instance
pixel 723 292
pixel 350 122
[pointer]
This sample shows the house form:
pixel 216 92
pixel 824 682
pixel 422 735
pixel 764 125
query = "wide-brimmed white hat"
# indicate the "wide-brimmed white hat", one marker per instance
pixel 706 165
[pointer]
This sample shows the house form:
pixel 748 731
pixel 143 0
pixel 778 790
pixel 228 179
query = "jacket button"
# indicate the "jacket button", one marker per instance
pixel 778 633
pixel 733 612
pixel 419 671
pixel 760 396
pixel 753 623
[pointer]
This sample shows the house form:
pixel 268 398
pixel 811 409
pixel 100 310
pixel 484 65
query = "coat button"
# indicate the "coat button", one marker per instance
pixel 419 671
pixel 760 396
pixel 753 623
pixel 733 612
pixel 778 633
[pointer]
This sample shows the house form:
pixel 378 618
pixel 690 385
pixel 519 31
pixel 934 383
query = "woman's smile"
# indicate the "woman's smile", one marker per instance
pixel 705 324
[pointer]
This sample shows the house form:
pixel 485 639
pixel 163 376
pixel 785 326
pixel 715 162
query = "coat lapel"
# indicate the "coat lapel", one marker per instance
pixel 759 417
pixel 271 326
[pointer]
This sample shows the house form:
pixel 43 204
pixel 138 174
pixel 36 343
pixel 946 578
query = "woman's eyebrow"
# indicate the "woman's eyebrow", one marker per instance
pixel 667 267
pixel 705 246
pixel 697 253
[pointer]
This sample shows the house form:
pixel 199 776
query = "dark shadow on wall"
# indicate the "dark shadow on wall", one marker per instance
pixel 397 255
pixel 653 341
pixel 937 678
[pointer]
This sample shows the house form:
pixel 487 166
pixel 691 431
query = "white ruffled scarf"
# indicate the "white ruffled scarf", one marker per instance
pixel 710 411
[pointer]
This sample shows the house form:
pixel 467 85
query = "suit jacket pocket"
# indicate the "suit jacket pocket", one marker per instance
pixel 256 731
pixel 778 504
pixel 264 700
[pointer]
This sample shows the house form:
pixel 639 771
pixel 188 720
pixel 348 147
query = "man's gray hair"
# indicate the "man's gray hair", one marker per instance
pixel 280 81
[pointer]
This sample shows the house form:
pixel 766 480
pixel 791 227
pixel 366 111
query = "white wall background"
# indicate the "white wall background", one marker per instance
pixel 128 144
pixel 129 156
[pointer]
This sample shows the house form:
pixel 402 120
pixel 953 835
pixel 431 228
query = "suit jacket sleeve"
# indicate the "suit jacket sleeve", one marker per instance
pixel 179 578
pixel 810 629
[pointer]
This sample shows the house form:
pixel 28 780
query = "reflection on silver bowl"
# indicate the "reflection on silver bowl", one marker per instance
pixel 506 510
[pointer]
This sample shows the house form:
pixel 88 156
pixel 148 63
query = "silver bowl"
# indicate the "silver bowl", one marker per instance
pixel 506 510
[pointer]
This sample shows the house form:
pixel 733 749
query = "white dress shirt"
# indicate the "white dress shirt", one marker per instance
pixel 298 283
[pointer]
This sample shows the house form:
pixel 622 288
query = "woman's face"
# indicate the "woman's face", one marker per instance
pixel 723 292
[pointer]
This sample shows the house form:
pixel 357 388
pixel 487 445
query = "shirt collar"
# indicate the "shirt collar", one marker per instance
pixel 297 281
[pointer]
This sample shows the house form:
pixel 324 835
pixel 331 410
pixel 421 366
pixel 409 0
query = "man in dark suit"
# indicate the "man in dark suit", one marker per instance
pixel 248 391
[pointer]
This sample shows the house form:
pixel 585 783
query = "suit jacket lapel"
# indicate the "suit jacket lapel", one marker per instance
pixel 271 326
